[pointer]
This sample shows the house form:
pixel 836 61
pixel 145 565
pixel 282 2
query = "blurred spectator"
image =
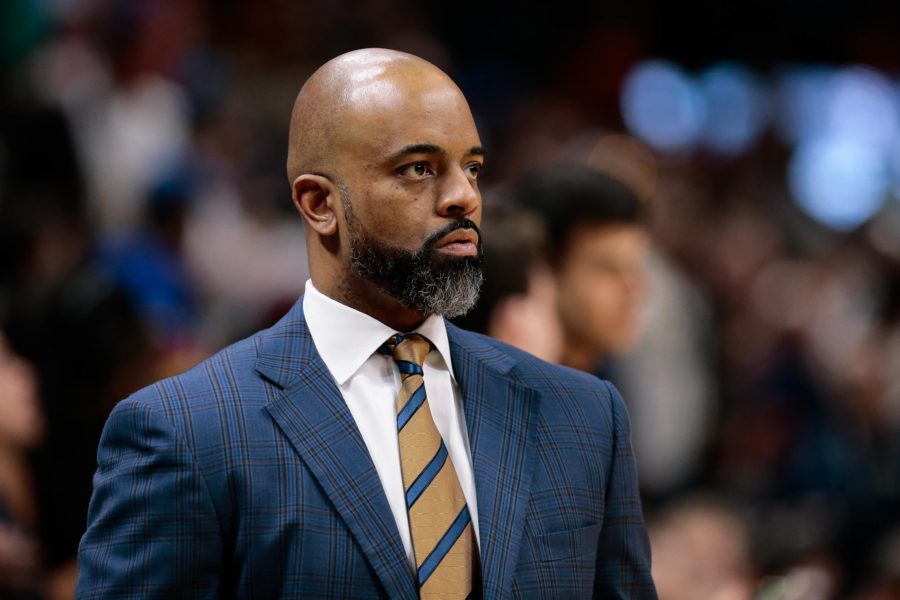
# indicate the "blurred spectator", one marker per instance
pixel 21 429
pixel 518 298
pixel 228 239
pixel 149 264
pixel 77 329
pixel 89 349
pixel 701 551
pixel 598 249
pixel 668 379
pixel 129 119
pixel 651 345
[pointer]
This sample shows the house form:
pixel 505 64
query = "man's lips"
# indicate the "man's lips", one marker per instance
pixel 459 242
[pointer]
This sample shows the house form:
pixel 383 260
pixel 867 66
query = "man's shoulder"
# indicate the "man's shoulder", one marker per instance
pixel 525 367
pixel 218 374
pixel 567 397
pixel 236 370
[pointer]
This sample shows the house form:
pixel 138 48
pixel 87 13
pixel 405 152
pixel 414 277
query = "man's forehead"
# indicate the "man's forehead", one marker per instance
pixel 388 118
pixel 391 145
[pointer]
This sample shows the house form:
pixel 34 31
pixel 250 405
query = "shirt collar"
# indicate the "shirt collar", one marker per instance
pixel 346 337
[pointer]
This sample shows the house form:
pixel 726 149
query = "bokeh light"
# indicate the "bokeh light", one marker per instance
pixel 839 182
pixel 662 106
pixel 894 161
pixel 735 109
pixel 802 102
pixel 862 106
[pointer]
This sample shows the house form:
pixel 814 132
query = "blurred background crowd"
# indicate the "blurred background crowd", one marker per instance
pixel 698 201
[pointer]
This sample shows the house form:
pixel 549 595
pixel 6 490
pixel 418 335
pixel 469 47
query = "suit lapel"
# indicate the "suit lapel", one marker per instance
pixel 311 412
pixel 501 414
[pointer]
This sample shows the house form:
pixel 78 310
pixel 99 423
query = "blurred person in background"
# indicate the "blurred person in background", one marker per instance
pixel 149 265
pixel 701 551
pixel 597 250
pixel 21 429
pixel 518 300
pixel 61 313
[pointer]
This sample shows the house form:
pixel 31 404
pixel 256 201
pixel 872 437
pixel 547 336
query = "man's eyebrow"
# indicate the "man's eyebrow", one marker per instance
pixel 430 149
pixel 417 149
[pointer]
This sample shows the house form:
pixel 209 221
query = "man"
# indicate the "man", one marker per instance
pixel 282 466
pixel 598 252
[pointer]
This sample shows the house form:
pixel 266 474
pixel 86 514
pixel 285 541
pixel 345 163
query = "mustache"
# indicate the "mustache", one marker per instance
pixel 451 227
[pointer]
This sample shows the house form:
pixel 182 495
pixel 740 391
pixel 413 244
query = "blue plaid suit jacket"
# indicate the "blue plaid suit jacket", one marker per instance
pixel 246 477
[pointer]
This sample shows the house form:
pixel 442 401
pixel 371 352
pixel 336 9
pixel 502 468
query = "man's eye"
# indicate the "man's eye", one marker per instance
pixel 474 169
pixel 417 169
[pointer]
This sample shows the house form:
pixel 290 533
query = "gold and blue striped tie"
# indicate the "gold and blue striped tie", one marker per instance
pixel 443 538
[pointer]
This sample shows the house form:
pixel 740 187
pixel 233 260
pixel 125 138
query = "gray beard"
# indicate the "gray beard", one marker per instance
pixel 423 280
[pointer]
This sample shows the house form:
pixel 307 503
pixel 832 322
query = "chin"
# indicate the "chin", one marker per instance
pixel 439 258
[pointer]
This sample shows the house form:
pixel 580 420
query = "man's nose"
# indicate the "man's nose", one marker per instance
pixel 459 195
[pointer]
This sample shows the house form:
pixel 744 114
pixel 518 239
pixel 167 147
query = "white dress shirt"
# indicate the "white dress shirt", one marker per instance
pixel 347 341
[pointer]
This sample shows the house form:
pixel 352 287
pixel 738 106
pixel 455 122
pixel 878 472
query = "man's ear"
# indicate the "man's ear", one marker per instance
pixel 314 198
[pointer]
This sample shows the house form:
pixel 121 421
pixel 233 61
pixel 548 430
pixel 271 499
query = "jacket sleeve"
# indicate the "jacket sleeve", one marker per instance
pixel 152 528
pixel 623 554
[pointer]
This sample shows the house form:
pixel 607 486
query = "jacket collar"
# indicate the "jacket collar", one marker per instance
pixel 311 412
pixel 501 417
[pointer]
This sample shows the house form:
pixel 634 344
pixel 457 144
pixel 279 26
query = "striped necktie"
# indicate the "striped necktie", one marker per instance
pixel 443 539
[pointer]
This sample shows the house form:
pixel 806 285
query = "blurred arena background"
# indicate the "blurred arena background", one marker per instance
pixel 145 222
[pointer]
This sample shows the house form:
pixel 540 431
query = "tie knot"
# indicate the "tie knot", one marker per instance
pixel 407 348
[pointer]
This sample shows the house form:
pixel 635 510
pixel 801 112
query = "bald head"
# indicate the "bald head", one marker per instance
pixel 346 93
pixel 383 163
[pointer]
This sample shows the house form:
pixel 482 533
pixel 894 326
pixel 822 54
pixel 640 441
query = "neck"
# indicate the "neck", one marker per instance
pixel 364 296
pixel 580 357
